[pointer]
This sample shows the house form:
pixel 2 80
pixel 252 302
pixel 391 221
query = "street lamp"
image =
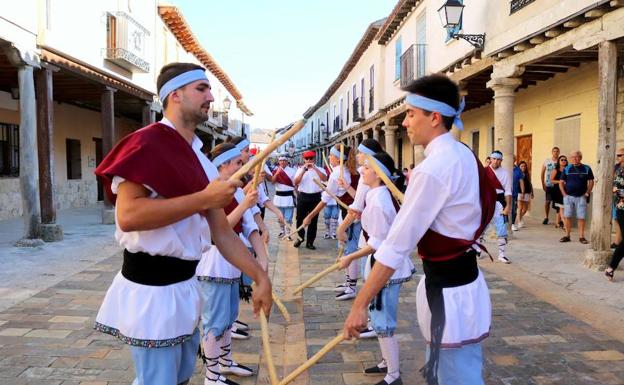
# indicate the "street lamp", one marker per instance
pixel 451 15
pixel 227 103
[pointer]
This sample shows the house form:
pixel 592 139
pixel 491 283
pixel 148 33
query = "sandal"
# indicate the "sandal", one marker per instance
pixel 583 241
pixel 609 274
pixel 565 239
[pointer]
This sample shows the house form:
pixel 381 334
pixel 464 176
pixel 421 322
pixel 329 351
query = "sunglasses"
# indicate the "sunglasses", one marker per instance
pixel 618 155
pixel 564 160
pixel 309 158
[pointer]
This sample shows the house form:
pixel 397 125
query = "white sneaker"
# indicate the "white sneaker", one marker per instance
pixel 369 332
pixel 238 334
pixel 340 288
pixel 240 325
pixel 514 228
pixel 349 293
pixel 326 236
pixel 221 381
pixel 503 259
pixel 520 224
pixel 236 369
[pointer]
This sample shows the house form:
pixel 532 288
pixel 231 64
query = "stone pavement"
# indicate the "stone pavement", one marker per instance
pixel 47 338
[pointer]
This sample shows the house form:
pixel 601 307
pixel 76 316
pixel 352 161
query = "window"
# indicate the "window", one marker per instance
pixel 475 142
pixel 362 96
pixel 398 50
pixel 567 134
pixel 371 90
pixel 9 150
pixel 74 166
pixel 349 98
pixel 452 31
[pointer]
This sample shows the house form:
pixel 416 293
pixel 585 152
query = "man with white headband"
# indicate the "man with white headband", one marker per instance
pixel 169 208
pixel 448 203
pixel 283 179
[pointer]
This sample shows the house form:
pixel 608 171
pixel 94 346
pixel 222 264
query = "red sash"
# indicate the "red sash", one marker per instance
pixel 346 198
pixel 436 247
pixel 156 156
pixel 238 227
pixel 282 177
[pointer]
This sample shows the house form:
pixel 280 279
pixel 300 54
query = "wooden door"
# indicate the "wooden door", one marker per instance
pixel 524 150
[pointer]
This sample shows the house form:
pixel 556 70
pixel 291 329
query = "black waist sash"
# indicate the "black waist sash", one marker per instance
pixel 285 193
pixel 500 197
pixel 438 275
pixel 156 270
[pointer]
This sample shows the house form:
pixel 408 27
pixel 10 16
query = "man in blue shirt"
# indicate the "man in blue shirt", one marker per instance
pixel 578 182
pixel 515 189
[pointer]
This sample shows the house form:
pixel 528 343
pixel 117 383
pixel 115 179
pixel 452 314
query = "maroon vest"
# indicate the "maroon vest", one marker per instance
pixel 156 156
pixel 346 198
pixel 436 247
pixel 238 227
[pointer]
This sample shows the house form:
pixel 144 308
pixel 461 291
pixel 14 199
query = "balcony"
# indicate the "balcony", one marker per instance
pixel 371 99
pixel 337 124
pixel 413 64
pixel 516 5
pixel 358 111
pixel 126 42
pixel 221 119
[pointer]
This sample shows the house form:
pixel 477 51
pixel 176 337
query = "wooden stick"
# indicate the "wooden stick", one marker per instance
pixel 341 160
pixel 393 189
pixel 311 361
pixel 316 277
pixel 267 151
pixel 280 305
pixel 295 232
pixel 326 162
pixel 260 166
pixel 264 325
pixel 341 203
pixel 341 250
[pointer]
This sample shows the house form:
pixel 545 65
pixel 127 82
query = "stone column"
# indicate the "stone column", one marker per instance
pixel 599 255
pixel 376 133
pixel 29 166
pixel 504 98
pixel 390 135
pixel 364 135
pixel 419 154
pixel 50 231
pixel 108 139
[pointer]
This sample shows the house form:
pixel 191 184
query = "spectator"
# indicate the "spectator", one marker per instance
pixel 515 189
pixel 406 176
pixel 618 194
pixel 488 161
pixel 555 191
pixel 577 183
pixel 526 193
pixel 547 169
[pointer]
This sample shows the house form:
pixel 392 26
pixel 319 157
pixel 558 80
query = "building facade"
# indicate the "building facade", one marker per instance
pixel 548 74
pixel 72 85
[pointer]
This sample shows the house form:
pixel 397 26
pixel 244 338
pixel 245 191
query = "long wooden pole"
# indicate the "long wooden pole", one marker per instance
pixel 264 326
pixel 341 250
pixel 341 203
pixel 393 189
pixel 312 360
pixel 295 232
pixel 326 162
pixel 261 165
pixel 268 150
pixel 316 277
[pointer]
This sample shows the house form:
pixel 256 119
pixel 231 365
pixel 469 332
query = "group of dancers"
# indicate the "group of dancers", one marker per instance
pixel 195 240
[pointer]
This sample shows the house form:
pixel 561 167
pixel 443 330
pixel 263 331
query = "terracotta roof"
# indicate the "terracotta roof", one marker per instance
pixel 174 19
pixel 359 50
pixel 400 12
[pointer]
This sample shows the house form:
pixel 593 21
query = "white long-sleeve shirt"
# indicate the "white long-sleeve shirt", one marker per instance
pixel 360 194
pixel 333 187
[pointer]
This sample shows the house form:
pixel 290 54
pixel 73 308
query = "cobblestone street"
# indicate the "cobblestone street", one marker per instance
pixel 48 338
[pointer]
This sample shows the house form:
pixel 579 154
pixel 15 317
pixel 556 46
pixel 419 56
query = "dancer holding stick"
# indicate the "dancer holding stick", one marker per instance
pixel 309 195
pixel 283 180
pixel 449 201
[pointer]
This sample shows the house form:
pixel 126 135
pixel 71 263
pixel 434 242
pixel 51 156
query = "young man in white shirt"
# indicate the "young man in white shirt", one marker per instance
pixel 549 165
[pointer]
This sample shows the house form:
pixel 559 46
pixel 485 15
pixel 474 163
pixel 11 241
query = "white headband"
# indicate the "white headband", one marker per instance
pixel 226 156
pixel 381 166
pixel 363 149
pixel 243 144
pixel 444 109
pixel 180 81
pixel 335 152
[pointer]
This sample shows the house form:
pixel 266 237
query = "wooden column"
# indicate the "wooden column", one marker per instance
pixel 50 231
pixel 599 255
pixel 108 140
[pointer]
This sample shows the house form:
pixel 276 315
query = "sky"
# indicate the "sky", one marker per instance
pixel 281 54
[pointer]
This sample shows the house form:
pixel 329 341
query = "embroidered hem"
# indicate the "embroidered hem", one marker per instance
pixel 140 342
pixel 384 333
pixel 218 279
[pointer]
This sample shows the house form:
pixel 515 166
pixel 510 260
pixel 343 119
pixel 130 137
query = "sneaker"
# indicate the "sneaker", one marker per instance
pixel 298 243
pixel 545 221
pixel 310 247
pixel 503 259
pixel 369 332
pixel 326 236
pixel 398 381
pixel 565 239
pixel 520 224
pixel 376 370
pixel 333 237
pixel 239 334
pixel 514 228
pixel 348 294
pixel 341 287
pixel 221 381
pixel 240 325
pixel 236 369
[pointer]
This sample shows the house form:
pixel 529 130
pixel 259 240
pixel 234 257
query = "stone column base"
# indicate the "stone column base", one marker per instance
pixel 597 260
pixel 27 242
pixel 51 232
pixel 108 216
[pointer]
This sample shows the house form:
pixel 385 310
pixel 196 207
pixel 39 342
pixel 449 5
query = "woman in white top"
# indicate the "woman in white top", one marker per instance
pixel 219 280
pixel 377 218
